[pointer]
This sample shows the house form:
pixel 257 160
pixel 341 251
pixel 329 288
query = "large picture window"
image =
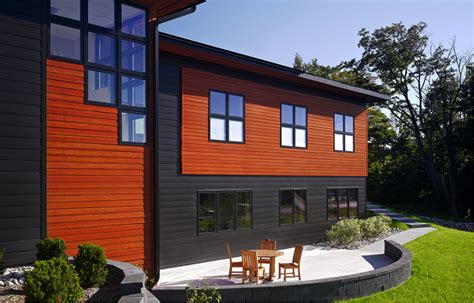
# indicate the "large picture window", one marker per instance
pixel 293 126
pixel 343 203
pixel 110 39
pixel 292 206
pixel 224 210
pixel 226 117
pixel 343 133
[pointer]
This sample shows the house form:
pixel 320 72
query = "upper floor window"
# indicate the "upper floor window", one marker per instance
pixel 292 206
pixel 226 117
pixel 342 203
pixel 343 133
pixel 111 43
pixel 293 126
pixel 224 210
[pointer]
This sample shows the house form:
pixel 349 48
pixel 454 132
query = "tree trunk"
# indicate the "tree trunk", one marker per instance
pixel 444 191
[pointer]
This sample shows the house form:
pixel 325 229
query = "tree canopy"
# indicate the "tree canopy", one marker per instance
pixel 428 135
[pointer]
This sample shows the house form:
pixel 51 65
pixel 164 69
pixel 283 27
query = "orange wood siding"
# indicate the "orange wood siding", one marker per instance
pixel 261 154
pixel 97 191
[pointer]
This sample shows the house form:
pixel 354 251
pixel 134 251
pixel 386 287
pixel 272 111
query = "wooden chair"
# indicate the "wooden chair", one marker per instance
pixel 233 264
pixel 250 264
pixel 295 264
pixel 267 245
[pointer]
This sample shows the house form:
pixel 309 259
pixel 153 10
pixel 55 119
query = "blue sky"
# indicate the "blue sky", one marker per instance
pixel 275 30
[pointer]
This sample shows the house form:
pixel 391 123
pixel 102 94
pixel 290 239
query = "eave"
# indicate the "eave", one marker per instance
pixel 204 52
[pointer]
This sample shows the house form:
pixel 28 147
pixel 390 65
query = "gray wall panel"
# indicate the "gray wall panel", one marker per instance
pixel 20 129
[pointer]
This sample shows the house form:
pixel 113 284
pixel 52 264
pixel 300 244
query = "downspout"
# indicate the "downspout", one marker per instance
pixel 156 125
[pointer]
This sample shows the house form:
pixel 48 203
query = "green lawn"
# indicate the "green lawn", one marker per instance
pixel 442 270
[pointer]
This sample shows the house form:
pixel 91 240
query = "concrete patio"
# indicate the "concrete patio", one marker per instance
pixel 317 263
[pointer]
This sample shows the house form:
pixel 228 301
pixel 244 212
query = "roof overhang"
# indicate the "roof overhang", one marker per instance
pixel 161 8
pixel 200 51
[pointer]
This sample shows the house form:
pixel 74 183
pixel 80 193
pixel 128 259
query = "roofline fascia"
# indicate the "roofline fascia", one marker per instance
pixel 279 68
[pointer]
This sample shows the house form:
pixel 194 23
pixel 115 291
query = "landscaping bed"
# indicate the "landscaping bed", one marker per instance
pixel 357 233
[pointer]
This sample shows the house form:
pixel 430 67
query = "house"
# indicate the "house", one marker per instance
pixel 162 149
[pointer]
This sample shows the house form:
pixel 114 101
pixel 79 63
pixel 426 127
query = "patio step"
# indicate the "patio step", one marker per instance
pixel 412 223
pixel 418 224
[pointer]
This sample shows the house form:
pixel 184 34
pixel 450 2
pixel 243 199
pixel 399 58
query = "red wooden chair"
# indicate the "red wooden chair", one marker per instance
pixel 295 264
pixel 233 264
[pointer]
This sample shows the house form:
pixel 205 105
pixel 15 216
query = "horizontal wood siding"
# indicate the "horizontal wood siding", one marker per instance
pixel 97 191
pixel 180 243
pixel 20 129
pixel 262 154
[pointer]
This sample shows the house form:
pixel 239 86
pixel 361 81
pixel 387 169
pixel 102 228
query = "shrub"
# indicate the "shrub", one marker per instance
pixel 2 263
pixel 345 232
pixel 91 265
pixel 53 280
pixel 204 295
pixel 51 248
pixel 376 226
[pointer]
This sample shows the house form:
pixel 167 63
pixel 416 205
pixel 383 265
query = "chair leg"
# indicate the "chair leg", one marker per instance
pixel 230 272
pixel 293 271
pixel 299 273
pixel 279 272
pixel 284 274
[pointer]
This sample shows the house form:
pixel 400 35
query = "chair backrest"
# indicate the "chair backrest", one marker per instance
pixel 297 254
pixel 249 259
pixel 268 244
pixel 229 252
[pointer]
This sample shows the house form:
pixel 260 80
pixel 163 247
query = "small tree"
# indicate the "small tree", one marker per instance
pixel 91 265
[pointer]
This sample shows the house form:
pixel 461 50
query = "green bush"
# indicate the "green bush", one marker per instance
pixel 53 280
pixel 345 232
pixel 376 226
pixel 206 294
pixel 2 263
pixel 51 248
pixel 91 265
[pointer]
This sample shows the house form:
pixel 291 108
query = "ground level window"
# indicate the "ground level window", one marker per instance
pixel 292 206
pixel 224 210
pixel 342 203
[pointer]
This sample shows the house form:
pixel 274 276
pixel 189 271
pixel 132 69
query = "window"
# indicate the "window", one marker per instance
pixel 133 21
pixel 101 49
pixel 293 126
pixel 292 206
pixel 207 212
pixel 114 53
pixel 65 42
pixel 226 117
pixel 133 127
pixel 343 133
pixel 101 13
pixel 133 56
pixel 224 211
pixel 101 86
pixel 70 9
pixel 342 203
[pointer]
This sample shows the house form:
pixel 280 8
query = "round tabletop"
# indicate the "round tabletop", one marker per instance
pixel 268 253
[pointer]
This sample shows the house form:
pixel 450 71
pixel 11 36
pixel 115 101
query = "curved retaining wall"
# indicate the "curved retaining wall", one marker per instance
pixel 129 282
pixel 322 290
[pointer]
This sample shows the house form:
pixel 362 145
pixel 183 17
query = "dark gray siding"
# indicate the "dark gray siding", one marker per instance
pixel 179 242
pixel 20 128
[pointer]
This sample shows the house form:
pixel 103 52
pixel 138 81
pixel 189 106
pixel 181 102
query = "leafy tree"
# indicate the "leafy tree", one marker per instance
pixel 427 147
pixel 426 86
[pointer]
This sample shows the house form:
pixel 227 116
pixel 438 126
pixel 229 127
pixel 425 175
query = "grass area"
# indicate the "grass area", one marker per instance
pixel 393 224
pixel 442 270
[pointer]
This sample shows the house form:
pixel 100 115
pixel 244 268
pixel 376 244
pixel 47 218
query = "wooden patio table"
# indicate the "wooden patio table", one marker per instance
pixel 272 254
